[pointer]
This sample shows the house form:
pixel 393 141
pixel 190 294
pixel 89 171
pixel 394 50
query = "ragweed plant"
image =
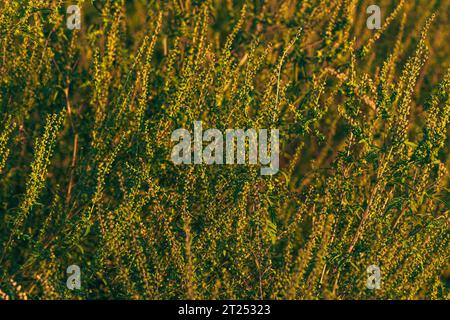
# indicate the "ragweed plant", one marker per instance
pixel 363 117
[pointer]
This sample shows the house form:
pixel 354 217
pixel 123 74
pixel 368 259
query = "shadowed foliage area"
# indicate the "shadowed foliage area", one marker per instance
pixel 86 176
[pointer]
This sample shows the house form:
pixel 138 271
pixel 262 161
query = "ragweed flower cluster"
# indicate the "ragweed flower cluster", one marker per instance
pixel 363 118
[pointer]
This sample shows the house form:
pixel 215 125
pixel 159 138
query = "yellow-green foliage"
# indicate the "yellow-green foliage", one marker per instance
pixel 4 138
pixel 85 171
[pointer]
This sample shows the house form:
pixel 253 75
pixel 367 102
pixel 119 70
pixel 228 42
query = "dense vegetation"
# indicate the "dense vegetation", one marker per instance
pixel 86 178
